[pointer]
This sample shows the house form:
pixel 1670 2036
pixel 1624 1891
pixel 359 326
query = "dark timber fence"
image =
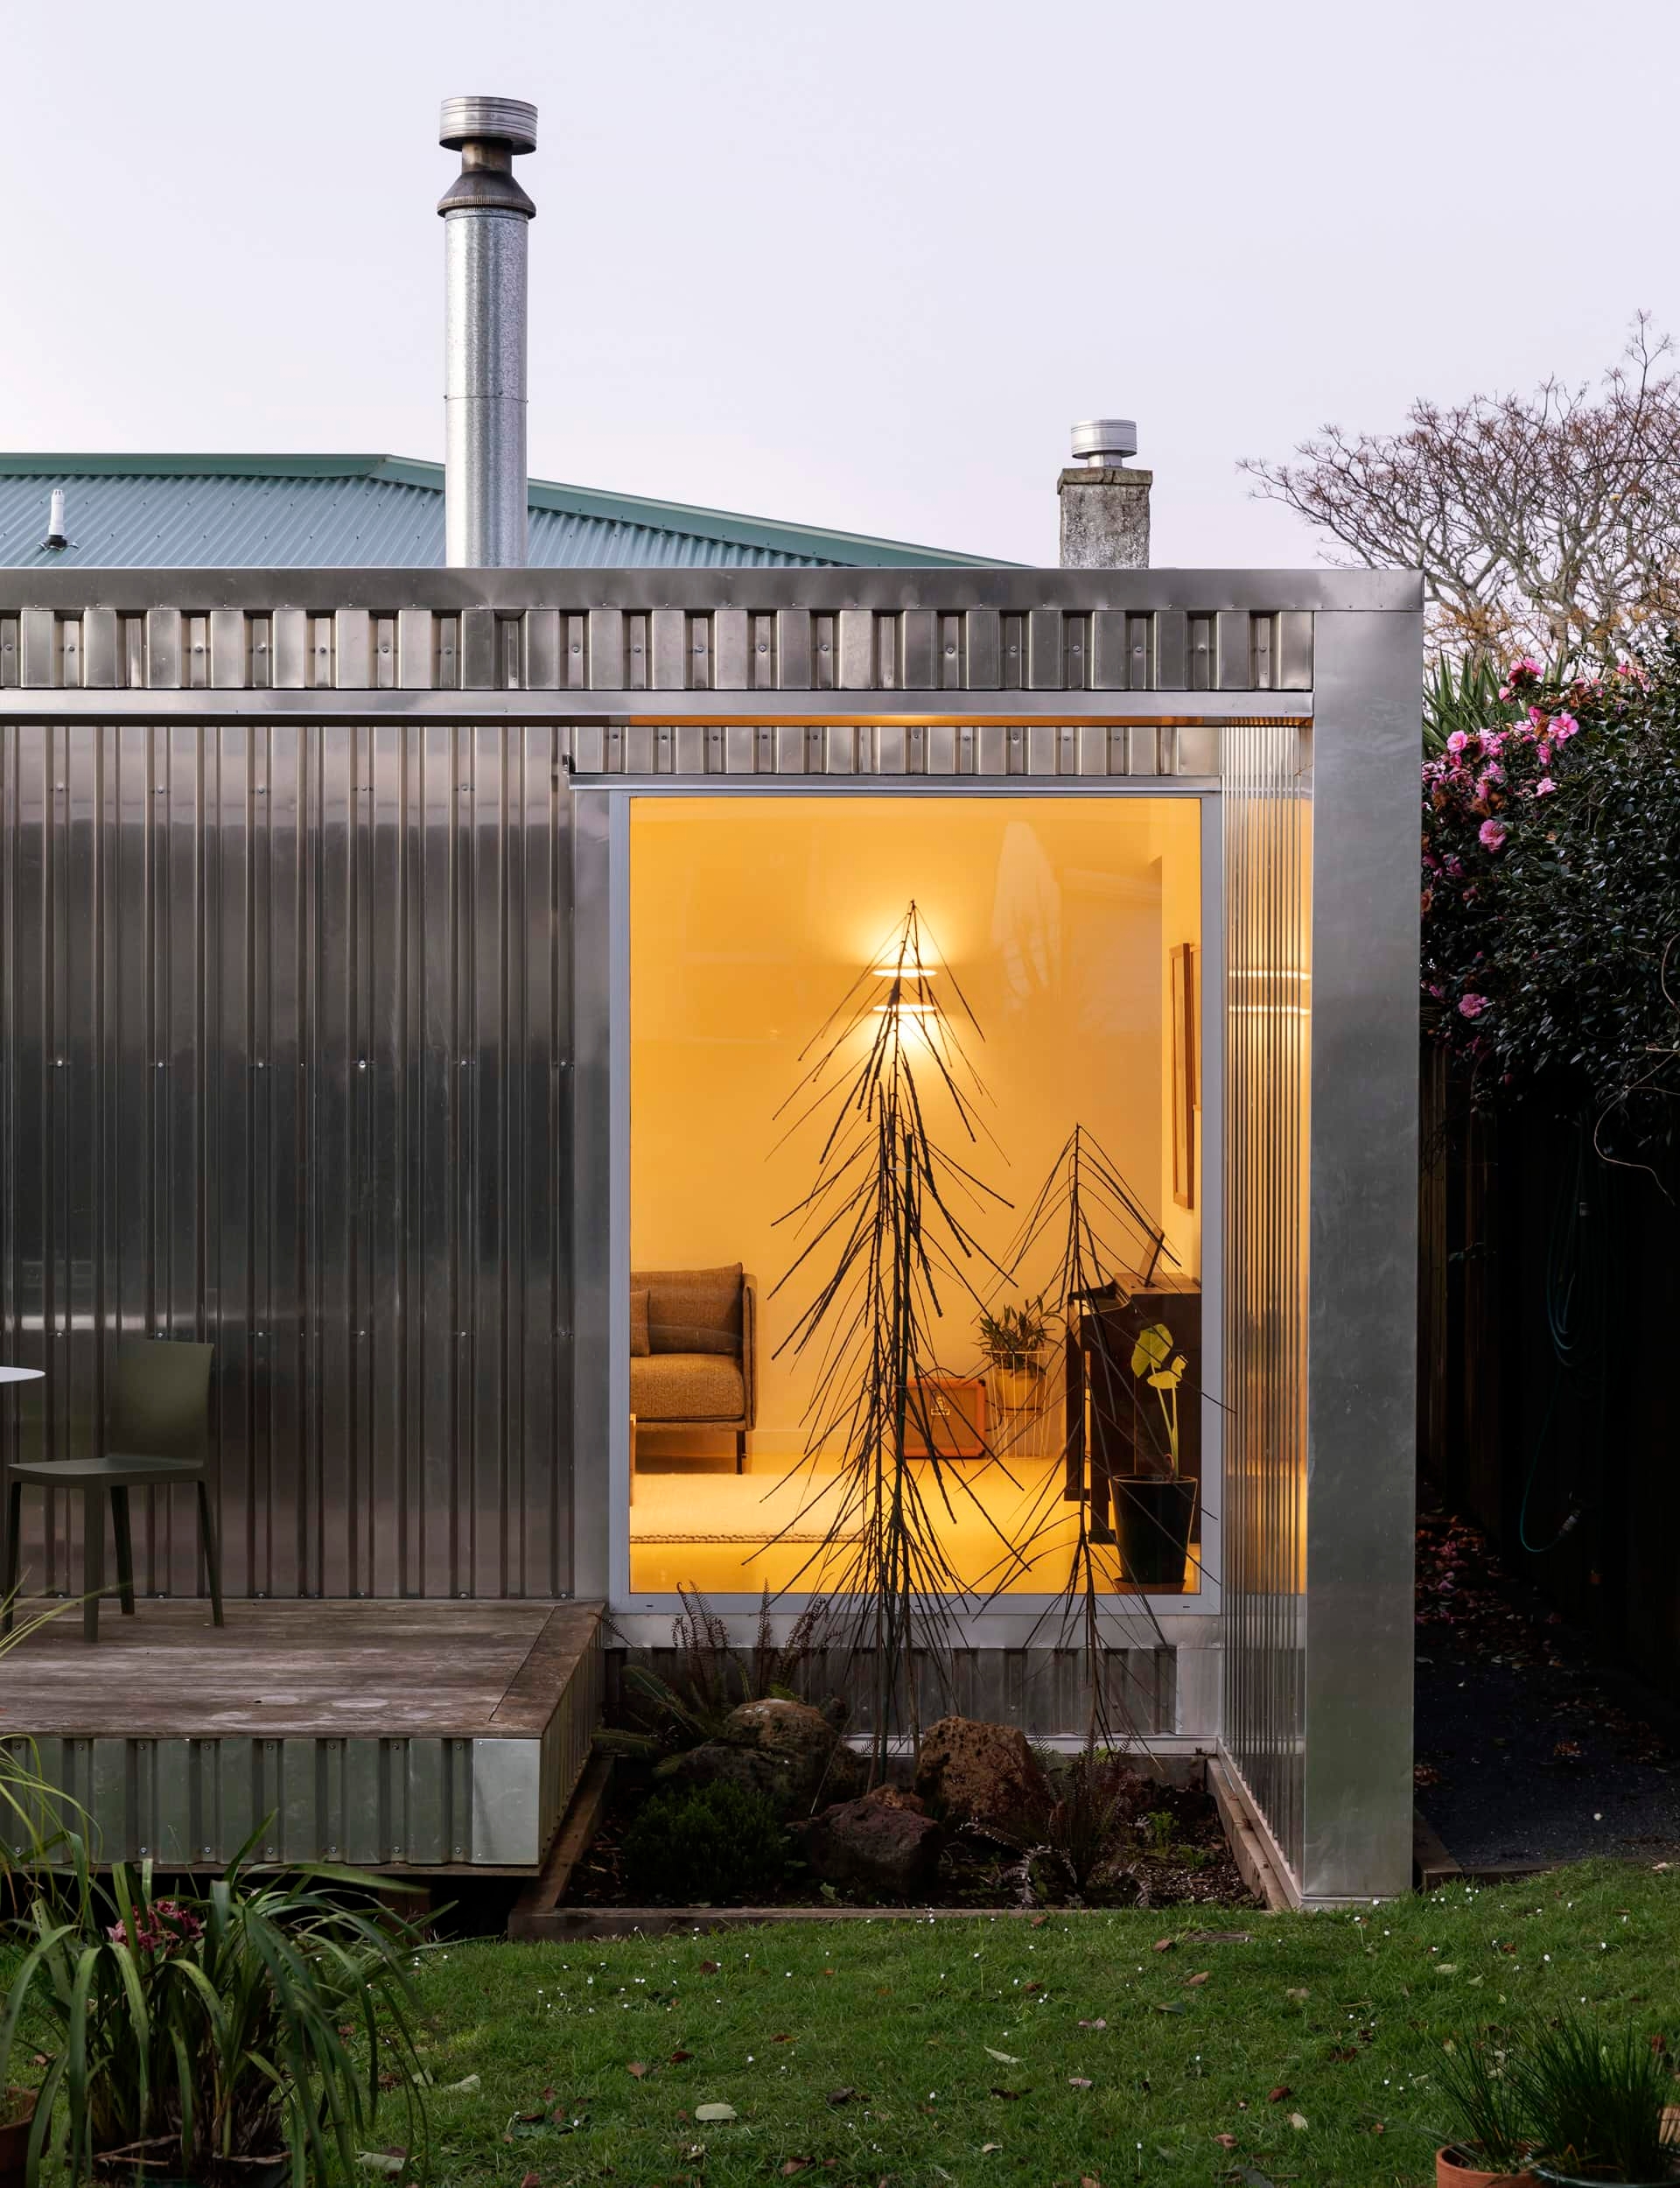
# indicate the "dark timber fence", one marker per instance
pixel 1548 1384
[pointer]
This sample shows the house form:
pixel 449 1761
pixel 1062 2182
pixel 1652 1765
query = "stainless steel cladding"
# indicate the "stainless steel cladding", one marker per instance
pixel 486 217
pixel 284 1015
pixel 1267 801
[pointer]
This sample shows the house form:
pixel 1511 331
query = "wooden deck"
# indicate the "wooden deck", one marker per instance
pixel 416 1734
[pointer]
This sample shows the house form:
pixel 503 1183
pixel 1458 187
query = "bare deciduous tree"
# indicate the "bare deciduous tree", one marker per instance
pixel 1547 523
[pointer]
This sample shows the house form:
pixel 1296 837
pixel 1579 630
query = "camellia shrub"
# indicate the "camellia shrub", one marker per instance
pixel 1551 895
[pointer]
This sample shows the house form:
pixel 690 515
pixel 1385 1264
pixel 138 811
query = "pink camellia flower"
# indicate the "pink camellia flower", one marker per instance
pixel 1544 786
pixel 1564 726
pixel 1488 779
pixel 1491 835
pixel 1472 1005
pixel 1458 741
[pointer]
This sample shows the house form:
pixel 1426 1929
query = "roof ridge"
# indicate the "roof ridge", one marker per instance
pixel 816 543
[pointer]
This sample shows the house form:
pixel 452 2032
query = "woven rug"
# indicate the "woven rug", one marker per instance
pixel 763 1536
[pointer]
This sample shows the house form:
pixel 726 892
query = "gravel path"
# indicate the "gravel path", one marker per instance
pixel 1530 1748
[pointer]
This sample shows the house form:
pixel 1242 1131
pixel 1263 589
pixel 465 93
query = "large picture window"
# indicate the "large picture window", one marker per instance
pixel 1031 967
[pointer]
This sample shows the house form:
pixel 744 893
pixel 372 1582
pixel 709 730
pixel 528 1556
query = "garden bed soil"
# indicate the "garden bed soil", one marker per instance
pixel 1169 1850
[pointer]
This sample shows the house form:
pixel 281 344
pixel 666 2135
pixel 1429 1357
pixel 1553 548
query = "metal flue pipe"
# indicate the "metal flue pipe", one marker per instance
pixel 486 218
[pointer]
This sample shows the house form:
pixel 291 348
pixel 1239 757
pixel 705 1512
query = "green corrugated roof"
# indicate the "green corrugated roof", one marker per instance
pixel 255 511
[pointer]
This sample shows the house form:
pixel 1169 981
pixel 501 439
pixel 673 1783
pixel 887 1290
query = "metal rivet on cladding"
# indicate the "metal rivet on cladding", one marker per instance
pixel 361 1063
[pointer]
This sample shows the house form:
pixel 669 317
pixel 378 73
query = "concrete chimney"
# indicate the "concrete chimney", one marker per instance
pixel 487 219
pixel 1104 506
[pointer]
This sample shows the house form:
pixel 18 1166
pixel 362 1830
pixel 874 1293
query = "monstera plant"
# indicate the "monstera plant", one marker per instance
pixel 1155 1511
pixel 1154 1363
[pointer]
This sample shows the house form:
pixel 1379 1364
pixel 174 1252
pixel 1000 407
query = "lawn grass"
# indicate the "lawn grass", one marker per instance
pixel 1344 2011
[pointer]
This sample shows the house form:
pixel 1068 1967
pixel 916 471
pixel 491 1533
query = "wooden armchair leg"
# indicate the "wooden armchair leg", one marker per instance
pixel 740 1450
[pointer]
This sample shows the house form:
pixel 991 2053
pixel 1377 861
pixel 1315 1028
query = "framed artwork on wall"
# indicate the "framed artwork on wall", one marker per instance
pixel 1187 1080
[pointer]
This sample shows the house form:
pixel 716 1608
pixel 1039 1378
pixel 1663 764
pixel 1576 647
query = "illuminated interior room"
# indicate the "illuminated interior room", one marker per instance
pixel 1060 957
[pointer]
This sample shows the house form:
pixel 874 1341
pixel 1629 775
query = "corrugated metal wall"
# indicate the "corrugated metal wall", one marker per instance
pixel 284 1012
pixel 1267 875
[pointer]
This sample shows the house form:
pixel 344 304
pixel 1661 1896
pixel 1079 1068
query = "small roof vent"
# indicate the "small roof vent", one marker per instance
pixel 57 536
pixel 1105 440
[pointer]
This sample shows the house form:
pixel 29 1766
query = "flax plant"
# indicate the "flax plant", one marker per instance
pixel 202 2036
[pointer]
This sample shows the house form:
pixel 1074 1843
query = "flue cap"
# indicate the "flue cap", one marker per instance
pixel 1105 440
pixel 471 120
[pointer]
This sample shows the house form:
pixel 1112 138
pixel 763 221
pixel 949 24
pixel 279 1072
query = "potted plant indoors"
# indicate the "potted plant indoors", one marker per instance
pixel 238 2037
pixel 1155 1509
pixel 1014 1340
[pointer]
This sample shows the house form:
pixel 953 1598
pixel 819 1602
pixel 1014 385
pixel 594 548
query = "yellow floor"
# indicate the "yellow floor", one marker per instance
pixel 697 1522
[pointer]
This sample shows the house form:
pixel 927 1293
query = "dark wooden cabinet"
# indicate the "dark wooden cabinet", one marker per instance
pixel 1115 1424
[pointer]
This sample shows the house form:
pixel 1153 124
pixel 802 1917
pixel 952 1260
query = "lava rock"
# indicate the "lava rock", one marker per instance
pixel 880 1846
pixel 898 1797
pixel 969 1772
pixel 821 1765
pixel 780 1747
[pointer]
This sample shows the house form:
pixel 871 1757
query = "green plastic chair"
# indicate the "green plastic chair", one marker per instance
pixel 159 1436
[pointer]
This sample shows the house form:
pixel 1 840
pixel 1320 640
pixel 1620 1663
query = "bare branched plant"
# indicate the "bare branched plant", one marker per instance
pixel 887 1240
pixel 1547 523
pixel 1086 1239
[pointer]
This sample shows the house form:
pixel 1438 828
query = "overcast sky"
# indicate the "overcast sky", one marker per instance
pixel 851 265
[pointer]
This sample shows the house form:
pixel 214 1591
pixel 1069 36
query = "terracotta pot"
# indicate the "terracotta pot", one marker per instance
pixel 14 2140
pixel 1449 2173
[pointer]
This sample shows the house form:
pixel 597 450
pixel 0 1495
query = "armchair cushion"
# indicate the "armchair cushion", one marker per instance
pixel 692 1310
pixel 687 1387
pixel 640 1343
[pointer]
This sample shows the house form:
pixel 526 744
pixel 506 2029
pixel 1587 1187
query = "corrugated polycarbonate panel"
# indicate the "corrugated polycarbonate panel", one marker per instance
pixel 283 1045
pixel 1267 801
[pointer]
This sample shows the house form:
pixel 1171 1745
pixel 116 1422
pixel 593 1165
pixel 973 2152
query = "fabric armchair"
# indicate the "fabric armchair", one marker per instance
pixel 694 1351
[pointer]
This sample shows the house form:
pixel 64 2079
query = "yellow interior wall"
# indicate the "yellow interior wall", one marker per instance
pixel 750 917
pixel 1177 823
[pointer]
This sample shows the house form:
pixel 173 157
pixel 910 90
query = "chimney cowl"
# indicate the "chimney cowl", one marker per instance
pixel 486 227
pixel 1105 440
pixel 467 120
pixel 58 535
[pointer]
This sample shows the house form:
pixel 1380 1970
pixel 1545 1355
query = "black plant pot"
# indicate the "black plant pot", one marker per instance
pixel 1154 1513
